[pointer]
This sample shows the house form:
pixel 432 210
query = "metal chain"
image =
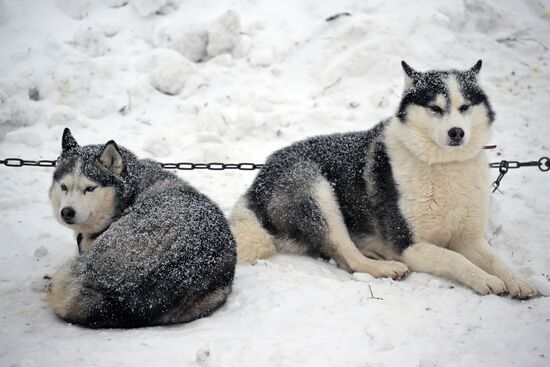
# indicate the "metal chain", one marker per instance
pixel 184 166
pixel 187 166
pixel 503 166
pixel 17 162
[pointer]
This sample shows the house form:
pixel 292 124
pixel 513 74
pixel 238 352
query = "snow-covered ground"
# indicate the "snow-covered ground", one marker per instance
pixel 270 73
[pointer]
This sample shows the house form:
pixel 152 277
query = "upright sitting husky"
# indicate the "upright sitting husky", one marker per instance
pixel 412 192
pixel 153 249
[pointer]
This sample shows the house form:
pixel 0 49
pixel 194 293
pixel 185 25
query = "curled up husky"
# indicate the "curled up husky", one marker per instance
pixel 410 193
pixel 153 250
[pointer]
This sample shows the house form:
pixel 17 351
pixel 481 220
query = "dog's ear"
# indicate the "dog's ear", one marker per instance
pixel 111 159
pixel 476 68
pixel 410 74
pixel 67 141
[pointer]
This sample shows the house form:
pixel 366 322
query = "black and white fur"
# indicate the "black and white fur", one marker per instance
pixel 153 250
pixel 410 193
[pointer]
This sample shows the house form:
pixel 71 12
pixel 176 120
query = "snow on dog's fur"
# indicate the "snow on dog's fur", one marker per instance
pixel 153 250
pixel 412 192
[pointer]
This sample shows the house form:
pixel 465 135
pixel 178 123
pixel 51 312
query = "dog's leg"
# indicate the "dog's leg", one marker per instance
pixel 480 253
pixel 340 246
pixel 428 258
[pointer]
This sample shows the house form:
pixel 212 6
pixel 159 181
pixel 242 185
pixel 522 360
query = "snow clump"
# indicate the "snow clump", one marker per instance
pixel 201 42
pixel 224 35
pixel 171 71
pixel 190 41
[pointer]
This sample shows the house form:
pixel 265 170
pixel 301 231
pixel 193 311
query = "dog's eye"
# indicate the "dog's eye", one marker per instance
pixel 464 108
pixel 64 187
pixel 90 189
pixel 436 109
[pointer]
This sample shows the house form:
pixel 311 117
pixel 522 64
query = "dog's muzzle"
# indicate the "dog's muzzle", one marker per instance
pixel 456 135
pixel 68 214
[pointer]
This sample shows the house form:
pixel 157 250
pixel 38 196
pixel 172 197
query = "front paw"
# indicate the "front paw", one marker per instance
pixel 520 289
pixel 392 269
pixel 489 284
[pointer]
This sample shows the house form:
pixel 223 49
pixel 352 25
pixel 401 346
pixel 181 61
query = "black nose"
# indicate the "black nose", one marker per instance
pixel 67 214
pixel 456 134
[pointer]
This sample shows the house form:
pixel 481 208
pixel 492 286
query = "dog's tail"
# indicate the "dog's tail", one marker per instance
pixel 253 241
pixel 71 299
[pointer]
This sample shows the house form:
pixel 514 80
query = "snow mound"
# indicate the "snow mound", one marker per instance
pixel 224 35
pixel 198 42
pixel 188 40
pixel 171 71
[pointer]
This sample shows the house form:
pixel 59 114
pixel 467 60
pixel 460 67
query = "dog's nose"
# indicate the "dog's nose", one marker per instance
pixel 67 214
pixel 456 134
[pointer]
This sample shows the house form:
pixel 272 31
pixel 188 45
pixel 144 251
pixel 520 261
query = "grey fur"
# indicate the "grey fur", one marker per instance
pixel 167 256
pixel 358 169
pixel 360 173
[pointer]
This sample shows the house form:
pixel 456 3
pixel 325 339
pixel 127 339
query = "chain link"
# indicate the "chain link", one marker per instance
pixel 503 166
pixel 17 162
pixel 214 166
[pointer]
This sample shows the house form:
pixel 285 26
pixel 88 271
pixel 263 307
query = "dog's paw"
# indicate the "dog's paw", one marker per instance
pixel 489 284
pixel 392 269
pixel 520 289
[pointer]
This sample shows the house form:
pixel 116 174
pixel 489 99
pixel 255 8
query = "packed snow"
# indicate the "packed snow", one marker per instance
pixel 232 81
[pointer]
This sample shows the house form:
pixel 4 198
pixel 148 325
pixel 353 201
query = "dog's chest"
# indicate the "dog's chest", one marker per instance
pixel 443 201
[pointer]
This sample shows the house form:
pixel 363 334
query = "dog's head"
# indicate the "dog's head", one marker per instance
pixel 88 188
pixel 445 115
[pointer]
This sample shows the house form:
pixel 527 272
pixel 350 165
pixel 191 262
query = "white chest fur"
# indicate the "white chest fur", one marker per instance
pixel 442 202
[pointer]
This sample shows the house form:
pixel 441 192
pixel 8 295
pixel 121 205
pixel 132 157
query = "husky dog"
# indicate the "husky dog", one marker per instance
pixel 410 193
pixel 153 250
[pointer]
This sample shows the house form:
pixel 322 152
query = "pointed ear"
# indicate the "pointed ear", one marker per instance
pixel 67 141
pixel 111 159
pixel 476 68
pixel 410 74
